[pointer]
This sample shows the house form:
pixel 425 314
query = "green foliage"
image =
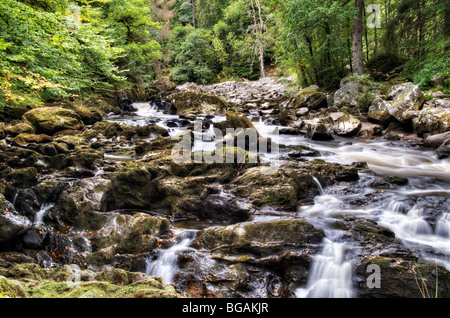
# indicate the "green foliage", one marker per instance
pixel 193 62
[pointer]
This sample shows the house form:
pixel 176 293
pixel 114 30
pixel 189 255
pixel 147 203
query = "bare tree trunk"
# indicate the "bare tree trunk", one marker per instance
pixel 261 40
pixel 357 39
pixel 193 13
pixel 258 30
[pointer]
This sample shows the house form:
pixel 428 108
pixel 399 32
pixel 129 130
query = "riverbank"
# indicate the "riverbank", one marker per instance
pixel 361 179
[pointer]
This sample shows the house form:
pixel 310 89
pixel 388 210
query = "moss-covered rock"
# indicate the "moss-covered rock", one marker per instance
pixel 19 128
pixel 268 186
pixel 25 139
pixel 346 125
pixel 49 120
pixel 317 130
pixel 432 120
pixel 407 99
pixel 403 278
pixel 262 238
pixel 379 112
pixel 310 97
pixel 23 178
pixel 193 103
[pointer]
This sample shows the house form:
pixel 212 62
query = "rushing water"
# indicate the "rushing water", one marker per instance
pixel 406 210
pixel 45 208
pixel 165 265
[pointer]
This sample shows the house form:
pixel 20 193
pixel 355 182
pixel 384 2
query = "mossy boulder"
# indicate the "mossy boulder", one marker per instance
pixel 406 100
pixel 131 188
pixel 23 178
pixel 261 238
pixel 379 112
pixel 432 120
pixel 49 120
pixel 19 128
pixel 345 124
pixel 193 103
pixel 316 129
pixel 402 278
pixel 237 120
pixel 26 139
pixel 268 187
pixel 11 289
pixel 350 93
pixel 311 97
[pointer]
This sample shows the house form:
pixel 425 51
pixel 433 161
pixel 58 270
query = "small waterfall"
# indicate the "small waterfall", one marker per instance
pixel 166 265
pixel 209 135
pixel 15 198
pixel 319 186
pixel 45 208
pixel 443 226
pixel 331 274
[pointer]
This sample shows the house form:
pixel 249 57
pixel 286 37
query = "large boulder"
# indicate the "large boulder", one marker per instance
pixel 407 99
pixel 317 130
pixel 345 124
pixel 267 186
pixel 432 120
pixel 49 120
pixel 11 223
pixel 193 103
pixel 25 177
pixel 349 93
pixel 261 238
pixel 310 97
pixel 379 112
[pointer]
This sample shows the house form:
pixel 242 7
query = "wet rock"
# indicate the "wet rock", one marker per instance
pixel 268 186
pixel 238 120
pixel 349 93
pixel 379 112
pixel 216 207
pixel 48 120
pixel 131 189
pixel 76 205
pixel 345 124
pixel 311 98
pixel 25 139
pixel 11 223
pixel 261 238
pixel 432 120
pixel 368 231
pixel 406 99
pixel 19 128
pixel 23 178
pixel 2 130
pixel 317 130
pixel 192 103
pixel 444 150
pixel 402 278
pixel 128 234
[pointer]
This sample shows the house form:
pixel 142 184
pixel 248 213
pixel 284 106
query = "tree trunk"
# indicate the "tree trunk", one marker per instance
pixel 193 13
pixel 357 39
pixel 261 40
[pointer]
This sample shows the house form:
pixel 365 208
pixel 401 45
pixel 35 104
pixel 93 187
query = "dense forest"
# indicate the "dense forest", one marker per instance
pixel 51 50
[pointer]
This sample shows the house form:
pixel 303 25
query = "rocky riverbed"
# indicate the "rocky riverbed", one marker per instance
pixel 361 178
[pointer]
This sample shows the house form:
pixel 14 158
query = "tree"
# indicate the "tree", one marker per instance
pixel 357 39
